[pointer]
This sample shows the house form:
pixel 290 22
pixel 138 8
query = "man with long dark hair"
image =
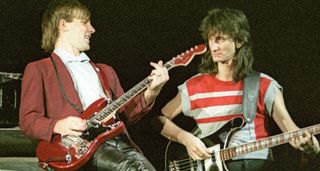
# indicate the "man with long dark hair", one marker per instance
pixel 215 95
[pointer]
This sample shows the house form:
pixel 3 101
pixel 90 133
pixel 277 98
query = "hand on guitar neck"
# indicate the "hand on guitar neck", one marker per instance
pixel 159 76
pixel 306 143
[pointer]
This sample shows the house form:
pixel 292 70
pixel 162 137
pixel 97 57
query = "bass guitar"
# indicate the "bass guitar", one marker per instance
pixel 71 152
pixel 177 158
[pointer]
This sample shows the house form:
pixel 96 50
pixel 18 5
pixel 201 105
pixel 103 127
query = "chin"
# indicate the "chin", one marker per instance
pixel 85 48
pixel 216 60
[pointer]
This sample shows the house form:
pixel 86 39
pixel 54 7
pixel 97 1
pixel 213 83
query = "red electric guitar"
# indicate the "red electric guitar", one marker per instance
pixel 72 152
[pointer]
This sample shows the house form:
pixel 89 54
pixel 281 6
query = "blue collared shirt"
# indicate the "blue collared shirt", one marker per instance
pixel 84 76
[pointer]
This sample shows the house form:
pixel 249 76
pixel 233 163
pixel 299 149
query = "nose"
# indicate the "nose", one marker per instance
pixel 213 46
pixel 91 28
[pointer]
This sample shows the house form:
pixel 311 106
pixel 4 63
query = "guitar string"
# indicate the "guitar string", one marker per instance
pixel 186 163
pixel 125 97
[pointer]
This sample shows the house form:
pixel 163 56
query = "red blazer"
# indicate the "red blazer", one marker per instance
pixel 42 103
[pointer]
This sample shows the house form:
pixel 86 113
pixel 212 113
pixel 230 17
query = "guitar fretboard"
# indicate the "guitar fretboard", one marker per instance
pixel 110 110
pixel 272 141
pixel 118 103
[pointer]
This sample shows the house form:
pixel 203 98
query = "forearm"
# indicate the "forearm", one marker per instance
pixel 306 142
pixel 285 123
pixel 282 116
pixel 136 109
pixel 150 96
pixel 171 131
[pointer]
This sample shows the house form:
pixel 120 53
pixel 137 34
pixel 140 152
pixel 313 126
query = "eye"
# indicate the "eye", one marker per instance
pixel 84 21
pixel 211 38
pixel 220 39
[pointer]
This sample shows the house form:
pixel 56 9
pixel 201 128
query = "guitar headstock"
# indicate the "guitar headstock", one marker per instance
pixel 185 58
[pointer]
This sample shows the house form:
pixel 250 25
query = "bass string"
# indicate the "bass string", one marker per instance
pixel 187 163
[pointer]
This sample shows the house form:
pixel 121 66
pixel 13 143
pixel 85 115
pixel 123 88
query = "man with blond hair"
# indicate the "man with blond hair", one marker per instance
pixel 57 89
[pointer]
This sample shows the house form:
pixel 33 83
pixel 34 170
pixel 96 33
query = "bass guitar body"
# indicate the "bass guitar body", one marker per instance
pixel 178 159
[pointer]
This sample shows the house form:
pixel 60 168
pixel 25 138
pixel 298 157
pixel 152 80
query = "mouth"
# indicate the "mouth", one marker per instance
pixel 217 54
pixel 87 37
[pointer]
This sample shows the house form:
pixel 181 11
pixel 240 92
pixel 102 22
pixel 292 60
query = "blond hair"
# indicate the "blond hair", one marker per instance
pixel 57 10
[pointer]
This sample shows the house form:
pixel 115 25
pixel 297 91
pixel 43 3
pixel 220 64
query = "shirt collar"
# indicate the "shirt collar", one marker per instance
pixel 66 57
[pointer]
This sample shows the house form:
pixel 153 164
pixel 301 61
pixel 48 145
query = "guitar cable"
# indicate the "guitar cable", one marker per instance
pixel 62 89
pixel 165 157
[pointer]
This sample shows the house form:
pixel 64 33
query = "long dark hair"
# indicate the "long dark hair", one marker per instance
pixel 233 23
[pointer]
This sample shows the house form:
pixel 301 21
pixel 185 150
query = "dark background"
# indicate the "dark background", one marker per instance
pixel 131 33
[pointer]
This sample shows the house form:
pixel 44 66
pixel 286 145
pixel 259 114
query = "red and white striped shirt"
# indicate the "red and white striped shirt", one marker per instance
pixel 212 103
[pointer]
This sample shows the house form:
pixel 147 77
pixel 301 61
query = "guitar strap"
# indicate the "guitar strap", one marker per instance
pixel 250 96
pixel 62 88
pixel 101 76
pixel 104 81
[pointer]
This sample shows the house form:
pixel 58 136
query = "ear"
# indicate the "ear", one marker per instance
pixel 63 25
pixel 238 44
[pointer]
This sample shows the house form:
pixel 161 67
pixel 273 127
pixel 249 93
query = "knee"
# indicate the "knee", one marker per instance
pixel 138 166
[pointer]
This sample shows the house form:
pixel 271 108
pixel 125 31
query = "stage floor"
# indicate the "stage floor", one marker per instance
pixel 19 164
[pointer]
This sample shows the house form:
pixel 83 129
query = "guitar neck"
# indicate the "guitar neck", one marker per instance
pixel 134 91
pixel 109 110
pixel 272 141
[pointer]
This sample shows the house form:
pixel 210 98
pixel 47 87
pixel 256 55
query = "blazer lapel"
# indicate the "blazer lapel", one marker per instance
pixel 67 82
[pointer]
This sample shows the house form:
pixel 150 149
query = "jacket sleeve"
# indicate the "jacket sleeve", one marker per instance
pixel 136 108
pixel 32 117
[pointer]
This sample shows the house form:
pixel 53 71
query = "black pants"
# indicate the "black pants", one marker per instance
pixel 117 154
pixel 249 165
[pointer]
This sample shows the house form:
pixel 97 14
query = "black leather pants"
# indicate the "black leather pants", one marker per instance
pixel 249 165
pixel 115 155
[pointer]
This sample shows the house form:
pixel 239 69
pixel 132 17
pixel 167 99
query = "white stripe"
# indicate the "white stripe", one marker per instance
pixel 215 111
pixel 216 94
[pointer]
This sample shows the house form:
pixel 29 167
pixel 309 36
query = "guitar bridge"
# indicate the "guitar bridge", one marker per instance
pixel 68 157
pixel 78 144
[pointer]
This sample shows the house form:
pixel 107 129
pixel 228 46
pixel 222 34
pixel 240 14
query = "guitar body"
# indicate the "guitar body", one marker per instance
pixel 58 156
pixel 178 159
